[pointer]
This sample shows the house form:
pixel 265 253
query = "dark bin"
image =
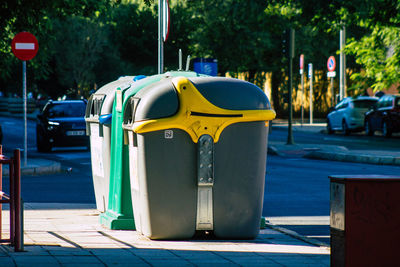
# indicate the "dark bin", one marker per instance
pixel 364 220
pixel 197 154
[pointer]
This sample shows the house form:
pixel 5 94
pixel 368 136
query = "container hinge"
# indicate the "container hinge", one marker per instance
pixel 205 182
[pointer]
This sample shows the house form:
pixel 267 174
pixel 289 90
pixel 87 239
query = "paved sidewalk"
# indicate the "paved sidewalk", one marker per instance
pixel 70 235
pixel 328 152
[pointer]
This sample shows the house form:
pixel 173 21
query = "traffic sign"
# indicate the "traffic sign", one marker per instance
pixel 166 23
pixel 301 63
pixel 331 74
pixel 310 70
pixel 24 46
pixel 331 63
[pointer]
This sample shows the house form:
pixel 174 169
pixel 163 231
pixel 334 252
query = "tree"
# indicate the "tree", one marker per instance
pixel 80 45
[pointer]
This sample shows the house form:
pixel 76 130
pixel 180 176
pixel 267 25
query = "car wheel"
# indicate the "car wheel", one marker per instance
pixel 367 127
pixel 386 131
pixel 329 127
pixel 345 128
pixel 42 145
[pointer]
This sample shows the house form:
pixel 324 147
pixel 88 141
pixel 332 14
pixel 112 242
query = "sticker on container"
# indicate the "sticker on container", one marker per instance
pixel 119 100
pixel 168 134
pixel 96 147
pixel 133 163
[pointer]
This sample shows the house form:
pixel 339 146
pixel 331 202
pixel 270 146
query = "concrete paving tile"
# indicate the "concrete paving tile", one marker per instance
pixel 63 251
pixel 154 253
pixel 34 250
pixel 206 264
pixel 7 262
pixel 83 265
pixel 171 263
pixel 128 264
pixel 107 251
pixel 290 259
pixel 77 259
pixel 22 260
pixel 113 260
pixel 196 254
pixel 253 262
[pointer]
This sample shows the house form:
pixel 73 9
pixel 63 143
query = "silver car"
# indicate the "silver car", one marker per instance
pixel 348 115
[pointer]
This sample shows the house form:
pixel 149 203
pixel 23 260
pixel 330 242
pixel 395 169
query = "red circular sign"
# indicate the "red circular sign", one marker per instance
pixel 301 61
pixel 331 64
pixel 24 46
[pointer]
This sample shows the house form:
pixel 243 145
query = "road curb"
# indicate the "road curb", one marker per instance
pixel 359 158
pixel 296 235
pixel 273 151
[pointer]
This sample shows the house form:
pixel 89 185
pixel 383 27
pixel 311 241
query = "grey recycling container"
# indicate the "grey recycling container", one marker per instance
pixel 98 127
pixel 197 155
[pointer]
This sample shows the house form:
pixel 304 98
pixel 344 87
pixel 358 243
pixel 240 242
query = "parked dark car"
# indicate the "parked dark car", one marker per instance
pixel 61 124
pixel 384 116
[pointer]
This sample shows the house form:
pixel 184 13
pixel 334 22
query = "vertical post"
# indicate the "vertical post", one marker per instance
pixel 310 75
pixel 290 140
pixel 1 189
pixel 342 64
pixel 180 59
pixel 11 170
pixel 332 93
pixel 25 111
pixel 17 199
pixel 160 37
pixel 302 98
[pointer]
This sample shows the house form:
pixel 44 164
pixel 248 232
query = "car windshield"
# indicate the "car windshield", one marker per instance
pixel 66 110
pixel 364 103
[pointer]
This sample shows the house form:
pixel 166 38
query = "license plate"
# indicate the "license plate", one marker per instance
pixel 75 133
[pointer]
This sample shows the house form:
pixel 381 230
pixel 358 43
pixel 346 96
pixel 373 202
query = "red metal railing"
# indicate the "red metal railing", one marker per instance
pixel 13 199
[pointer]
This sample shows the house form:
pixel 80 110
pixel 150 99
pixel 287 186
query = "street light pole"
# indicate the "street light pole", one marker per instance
pixel 160 37
pixel 290 140
pixel 342 64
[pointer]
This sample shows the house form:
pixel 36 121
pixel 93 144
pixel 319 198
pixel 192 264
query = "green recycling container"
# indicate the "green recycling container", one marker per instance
pixel 119 214
pixel 197 157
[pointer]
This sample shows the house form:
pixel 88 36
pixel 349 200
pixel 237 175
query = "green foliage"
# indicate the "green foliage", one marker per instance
pixel 378 54
pixel 88 42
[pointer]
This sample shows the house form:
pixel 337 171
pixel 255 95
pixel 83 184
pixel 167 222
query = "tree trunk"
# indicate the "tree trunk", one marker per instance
pixel 275 94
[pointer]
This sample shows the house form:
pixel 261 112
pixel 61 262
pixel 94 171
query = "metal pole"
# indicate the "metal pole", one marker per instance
pixel 342 65
pixel 311 93
pixel 17 200
pixel 160 37
pixel 332 93
pixel 302 98
pixel 290 140
pixel 25 117
pixel 180 60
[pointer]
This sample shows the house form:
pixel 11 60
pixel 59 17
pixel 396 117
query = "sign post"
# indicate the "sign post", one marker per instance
pixel 163 31
pixel 310 76
pixel 302 87
pixel 25 47
pixel 331 64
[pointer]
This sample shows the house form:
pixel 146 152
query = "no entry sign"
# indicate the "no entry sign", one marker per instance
pixel 24 46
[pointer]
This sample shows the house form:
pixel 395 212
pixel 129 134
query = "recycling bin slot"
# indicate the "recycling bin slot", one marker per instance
pixel 197 160
pixel 364 220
